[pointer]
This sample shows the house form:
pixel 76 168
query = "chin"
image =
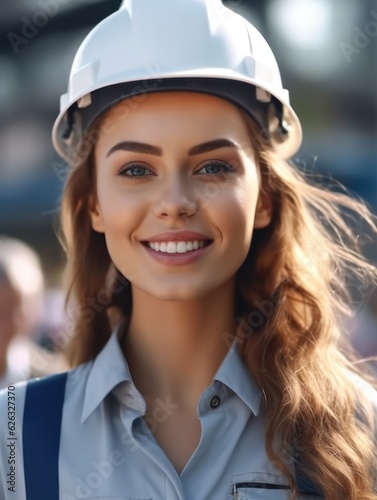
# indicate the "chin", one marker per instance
pixel 177 293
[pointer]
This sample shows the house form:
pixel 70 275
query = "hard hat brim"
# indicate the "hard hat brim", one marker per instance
pixel 240 93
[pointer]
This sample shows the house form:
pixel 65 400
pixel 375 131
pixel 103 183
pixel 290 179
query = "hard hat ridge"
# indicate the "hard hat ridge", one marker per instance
pixel 197 45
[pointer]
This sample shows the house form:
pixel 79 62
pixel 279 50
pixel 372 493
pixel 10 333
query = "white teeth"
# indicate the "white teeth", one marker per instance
pixel 176 247
pixel 181 247
pixel 171 247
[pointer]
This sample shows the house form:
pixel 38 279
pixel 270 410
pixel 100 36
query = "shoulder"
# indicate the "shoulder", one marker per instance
pixel 23 410
pixel 16 394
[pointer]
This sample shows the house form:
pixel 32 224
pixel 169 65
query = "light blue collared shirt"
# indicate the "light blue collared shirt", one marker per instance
pixel 108 451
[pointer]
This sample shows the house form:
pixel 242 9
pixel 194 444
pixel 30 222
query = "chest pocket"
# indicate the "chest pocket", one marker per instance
pixel 117 498
pixel 259 486
pixel 263 486
pixel 258 491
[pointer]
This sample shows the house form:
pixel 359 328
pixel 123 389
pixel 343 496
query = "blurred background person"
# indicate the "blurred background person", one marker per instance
pixel 21 313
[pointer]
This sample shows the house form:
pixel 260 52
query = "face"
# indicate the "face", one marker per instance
pixel 171 184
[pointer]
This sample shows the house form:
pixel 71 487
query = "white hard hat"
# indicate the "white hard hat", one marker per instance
pixel 195 45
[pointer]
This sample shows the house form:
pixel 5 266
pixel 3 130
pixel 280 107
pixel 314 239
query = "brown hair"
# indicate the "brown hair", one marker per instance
pixel 298 266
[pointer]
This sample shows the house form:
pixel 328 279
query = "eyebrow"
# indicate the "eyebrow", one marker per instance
pixel 141 147
pixel 135 147
pixel 211 145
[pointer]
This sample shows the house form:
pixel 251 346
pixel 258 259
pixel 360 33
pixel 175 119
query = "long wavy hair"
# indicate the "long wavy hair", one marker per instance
pixel 293 295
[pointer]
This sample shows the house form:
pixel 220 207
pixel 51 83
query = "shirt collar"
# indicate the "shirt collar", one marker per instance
pixel 234 373
pixel 108 370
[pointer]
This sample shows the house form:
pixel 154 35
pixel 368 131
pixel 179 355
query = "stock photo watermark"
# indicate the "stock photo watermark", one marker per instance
pixel 101 471
pixel 362 38
pixel 11 440
pixel 33 24
pixel 264 309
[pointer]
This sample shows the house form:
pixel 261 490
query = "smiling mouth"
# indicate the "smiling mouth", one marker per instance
pixel 167 251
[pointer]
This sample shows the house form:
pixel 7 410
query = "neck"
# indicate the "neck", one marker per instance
pixel 174 348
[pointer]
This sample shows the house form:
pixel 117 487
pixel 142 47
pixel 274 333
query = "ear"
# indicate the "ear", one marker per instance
pixel 95 214
pixel 263 212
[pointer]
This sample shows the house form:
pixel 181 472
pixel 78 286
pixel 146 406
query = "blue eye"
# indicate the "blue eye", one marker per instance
pixel 137 170
pixel 216 165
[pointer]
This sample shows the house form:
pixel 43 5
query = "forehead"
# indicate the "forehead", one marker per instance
pixel 158 116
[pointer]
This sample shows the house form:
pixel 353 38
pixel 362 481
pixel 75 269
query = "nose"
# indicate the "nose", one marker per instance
pixel 177 199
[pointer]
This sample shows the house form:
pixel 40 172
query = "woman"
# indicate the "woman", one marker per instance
pixel 208 277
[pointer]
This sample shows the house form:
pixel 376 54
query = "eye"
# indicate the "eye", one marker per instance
pixel 217 167
pixel 133 170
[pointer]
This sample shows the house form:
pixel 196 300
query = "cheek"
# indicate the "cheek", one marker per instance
pixel 119 207
pixel 236 212
pixel 122 212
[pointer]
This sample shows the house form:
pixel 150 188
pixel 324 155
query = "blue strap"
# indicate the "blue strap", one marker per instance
pixel 305 485
pixel 41 436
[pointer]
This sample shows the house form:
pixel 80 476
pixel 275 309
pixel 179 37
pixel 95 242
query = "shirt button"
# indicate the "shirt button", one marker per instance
pixel 214 402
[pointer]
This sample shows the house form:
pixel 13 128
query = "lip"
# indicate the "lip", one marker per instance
pixel 179 236
pixel 177 259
